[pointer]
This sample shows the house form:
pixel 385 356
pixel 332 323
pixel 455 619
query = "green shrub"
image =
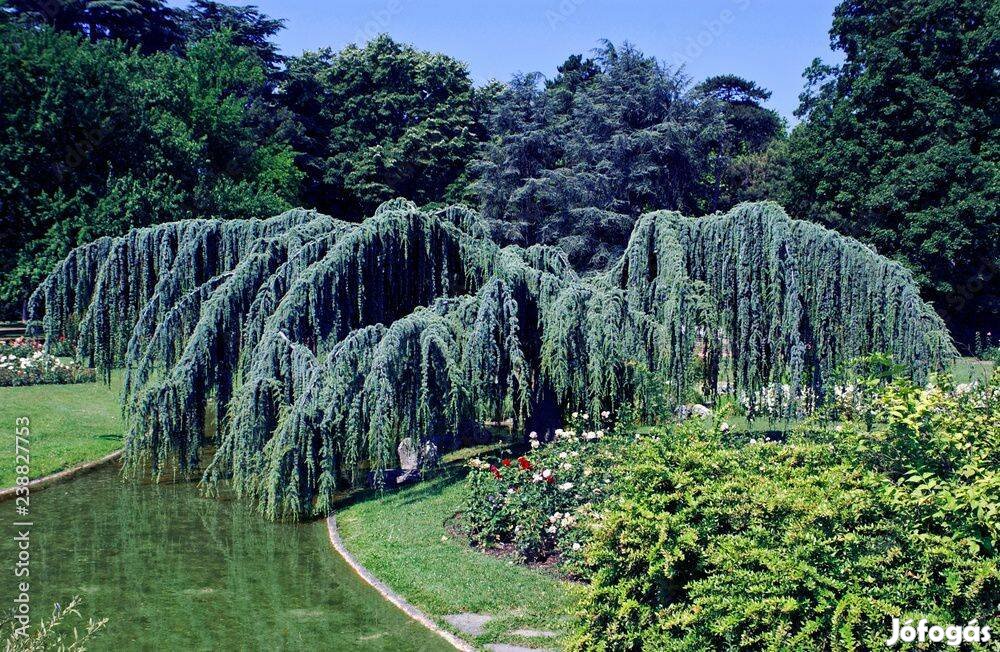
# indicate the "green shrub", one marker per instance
pixel 815 543
pixel 940 445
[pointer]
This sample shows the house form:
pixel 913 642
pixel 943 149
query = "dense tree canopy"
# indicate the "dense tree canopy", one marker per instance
pixel 607 138
pixel 739 139
pixel 573 161
pixel 322 343
pixel 151 25
pixel 380 121
pixel 98 139
pixel 248 28
pixel 899 144
pixel 121 113
pixel 108 127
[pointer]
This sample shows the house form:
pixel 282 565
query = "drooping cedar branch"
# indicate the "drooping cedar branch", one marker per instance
pixel 322 343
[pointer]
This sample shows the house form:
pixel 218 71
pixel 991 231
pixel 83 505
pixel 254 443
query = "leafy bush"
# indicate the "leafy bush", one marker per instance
pixel 940 445
pixel 715 542
pixel 541 503
pixel 23 362
pixel 859 382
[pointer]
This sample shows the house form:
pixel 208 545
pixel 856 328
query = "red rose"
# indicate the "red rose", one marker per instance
pixel 525 464
pixel 505 461
pixel 551 479
pixel 495 471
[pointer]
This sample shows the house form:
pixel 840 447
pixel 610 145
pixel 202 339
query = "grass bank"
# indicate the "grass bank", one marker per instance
pixel 402 537
pixel 69 424
pixel 967 370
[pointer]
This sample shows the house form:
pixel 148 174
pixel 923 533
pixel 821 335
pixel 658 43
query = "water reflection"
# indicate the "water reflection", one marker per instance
pixel 175 571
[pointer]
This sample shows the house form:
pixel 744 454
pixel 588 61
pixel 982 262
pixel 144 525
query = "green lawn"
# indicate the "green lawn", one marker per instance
pixel 400 538
pixel 69 424
pixel 970 369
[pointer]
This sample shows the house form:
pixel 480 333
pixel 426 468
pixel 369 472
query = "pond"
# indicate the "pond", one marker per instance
pixel 172 570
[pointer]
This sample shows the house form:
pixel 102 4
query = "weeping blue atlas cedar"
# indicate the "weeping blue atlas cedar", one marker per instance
pixel 321 343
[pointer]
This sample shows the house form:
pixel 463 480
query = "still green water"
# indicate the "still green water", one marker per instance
pixel 172 570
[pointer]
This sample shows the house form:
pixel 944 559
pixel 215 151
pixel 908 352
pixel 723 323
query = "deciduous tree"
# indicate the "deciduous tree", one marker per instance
pixel 899 144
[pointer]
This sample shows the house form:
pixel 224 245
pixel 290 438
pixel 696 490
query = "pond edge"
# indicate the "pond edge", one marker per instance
pixel 387 593
pixel 63 476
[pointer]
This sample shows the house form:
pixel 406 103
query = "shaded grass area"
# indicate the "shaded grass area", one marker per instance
pixel 968 370
pixel 402 537
pixel 69 424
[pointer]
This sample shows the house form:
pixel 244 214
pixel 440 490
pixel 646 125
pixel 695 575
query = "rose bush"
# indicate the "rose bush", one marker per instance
pixel 543 503
pixel 23 362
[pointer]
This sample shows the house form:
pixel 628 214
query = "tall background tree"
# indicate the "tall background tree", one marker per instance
pixel 741 135
pixel 380 121
pixel 899 145
pixel 248 28
pixel 98 138
pixel 151 25
pixel 572 161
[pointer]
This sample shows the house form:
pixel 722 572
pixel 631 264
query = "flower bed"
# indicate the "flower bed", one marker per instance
pixel 541 505
pixel 23 362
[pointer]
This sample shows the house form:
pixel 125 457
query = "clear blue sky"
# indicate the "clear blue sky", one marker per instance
pixel 768 41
